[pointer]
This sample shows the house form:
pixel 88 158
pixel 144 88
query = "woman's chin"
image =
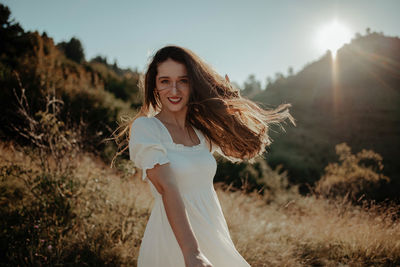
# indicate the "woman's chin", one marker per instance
pixel 176 108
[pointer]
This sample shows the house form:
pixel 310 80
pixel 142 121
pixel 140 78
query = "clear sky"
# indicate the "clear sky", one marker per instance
pixel 237 38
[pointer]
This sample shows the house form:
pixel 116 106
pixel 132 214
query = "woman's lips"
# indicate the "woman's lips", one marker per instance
pixel 175 100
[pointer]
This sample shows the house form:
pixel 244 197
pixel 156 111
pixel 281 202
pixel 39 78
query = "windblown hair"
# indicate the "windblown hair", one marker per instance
pixel 237 125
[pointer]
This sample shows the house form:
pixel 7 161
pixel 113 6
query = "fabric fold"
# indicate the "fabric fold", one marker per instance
pixel 145 147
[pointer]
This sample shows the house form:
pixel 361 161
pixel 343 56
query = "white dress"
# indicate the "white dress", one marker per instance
pixel 194 169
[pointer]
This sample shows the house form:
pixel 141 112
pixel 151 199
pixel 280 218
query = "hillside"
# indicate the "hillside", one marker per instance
pixel 93 95
pixel 354 99
pixel 96 216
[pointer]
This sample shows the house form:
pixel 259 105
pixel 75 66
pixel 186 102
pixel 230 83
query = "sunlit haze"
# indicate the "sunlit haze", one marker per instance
pixel 332 36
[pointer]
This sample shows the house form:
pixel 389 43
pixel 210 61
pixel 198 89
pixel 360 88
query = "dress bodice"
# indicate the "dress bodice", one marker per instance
pixel 194 167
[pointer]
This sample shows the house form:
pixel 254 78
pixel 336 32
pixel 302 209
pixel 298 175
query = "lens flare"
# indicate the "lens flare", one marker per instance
pixel 332 36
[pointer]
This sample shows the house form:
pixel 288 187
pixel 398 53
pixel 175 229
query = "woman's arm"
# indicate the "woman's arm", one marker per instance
pixel 163 180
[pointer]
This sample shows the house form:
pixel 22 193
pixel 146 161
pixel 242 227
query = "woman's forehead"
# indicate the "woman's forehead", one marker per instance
pixel 171 68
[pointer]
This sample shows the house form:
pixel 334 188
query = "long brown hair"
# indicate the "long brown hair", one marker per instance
pixel 236 124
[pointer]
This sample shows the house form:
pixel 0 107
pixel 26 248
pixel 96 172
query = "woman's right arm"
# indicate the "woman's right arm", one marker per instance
pixel 164 181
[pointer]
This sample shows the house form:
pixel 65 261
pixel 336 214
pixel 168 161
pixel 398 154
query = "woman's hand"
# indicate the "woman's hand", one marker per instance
pixel 164 181
pixel 197 260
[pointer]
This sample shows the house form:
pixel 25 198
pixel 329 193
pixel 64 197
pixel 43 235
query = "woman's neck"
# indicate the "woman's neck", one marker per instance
pixel 177 119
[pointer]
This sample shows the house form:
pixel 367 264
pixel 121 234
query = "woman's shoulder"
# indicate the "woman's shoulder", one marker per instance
pixel 144 125
pixel 144 121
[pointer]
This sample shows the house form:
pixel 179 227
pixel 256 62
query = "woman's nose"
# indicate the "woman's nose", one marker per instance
pixel 174 88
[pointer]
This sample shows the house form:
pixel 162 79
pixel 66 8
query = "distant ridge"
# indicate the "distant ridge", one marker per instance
pixel 354 99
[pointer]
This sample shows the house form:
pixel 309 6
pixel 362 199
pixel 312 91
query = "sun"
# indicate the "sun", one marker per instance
pixel 332 36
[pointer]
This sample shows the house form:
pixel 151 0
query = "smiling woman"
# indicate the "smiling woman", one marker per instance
pixel 190 112
pixel 172 86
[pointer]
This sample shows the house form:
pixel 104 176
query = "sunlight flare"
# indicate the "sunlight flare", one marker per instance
pixel 332 36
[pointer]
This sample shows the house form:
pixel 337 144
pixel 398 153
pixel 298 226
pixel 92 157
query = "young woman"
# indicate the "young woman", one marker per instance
pixel 190 111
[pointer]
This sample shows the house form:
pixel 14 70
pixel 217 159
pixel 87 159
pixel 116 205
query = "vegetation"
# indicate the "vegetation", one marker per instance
pixel 352 99
pixel 73 50
pixel 96 216
pixel 63 206
pixel 91 91
pixel 61 203
pixel 357 176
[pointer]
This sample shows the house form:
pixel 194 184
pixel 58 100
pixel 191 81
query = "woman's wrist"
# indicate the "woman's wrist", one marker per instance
pixel 191 251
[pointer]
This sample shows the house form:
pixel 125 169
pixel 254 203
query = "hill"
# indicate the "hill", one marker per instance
pixel 93 94
pixel 354 99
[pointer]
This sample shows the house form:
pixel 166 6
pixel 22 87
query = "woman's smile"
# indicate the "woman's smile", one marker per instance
pixel 174 100
pixel 172 83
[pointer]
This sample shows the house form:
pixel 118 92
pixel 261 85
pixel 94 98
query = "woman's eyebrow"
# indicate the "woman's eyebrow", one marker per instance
pixel 162 77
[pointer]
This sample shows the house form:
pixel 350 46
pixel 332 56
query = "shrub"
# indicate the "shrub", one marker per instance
pixel 356 176
pixel 257 177
pixel 36 201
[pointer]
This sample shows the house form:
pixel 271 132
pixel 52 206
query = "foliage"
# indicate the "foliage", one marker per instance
pixel 62 208
pixel 257 177
pixel 351 98
pixel 34 214
pixel 9 31
pixel 100 59
pixel 39 194
pixel 89 95
pixel 355 176
pixel 36 208
pixel 122 83
pixel 251 87
pixel 73 50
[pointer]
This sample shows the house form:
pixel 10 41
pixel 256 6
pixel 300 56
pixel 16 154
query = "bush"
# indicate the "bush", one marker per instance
pixel 39 194
pixel 34 214
pixel 356 176
pixel 36 202
pixel 257 177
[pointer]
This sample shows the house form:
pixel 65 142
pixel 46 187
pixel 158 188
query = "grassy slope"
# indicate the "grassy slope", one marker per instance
pixel 113 206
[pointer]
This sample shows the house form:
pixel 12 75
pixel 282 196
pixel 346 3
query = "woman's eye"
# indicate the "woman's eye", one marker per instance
pixel 184 81
pixel 164 81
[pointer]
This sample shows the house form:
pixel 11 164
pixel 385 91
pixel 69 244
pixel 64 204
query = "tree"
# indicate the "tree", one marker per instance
pixel 279 76
pixel 9 31
pixel 357 35
pixel 100 59
pixel 290 71
pixel 251 86
pixel 268 82
pixel 73 50
pixel 5 21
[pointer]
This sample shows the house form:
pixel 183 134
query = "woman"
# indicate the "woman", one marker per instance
pixel 190 111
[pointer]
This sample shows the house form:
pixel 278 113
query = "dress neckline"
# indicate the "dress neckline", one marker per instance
pixel 182 146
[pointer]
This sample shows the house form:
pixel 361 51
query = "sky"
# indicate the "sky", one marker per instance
pixel 237 38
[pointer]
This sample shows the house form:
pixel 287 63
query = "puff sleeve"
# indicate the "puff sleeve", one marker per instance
pixel 145 147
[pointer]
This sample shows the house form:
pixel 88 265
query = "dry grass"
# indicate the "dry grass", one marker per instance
pixel 112 207
pixel 312 231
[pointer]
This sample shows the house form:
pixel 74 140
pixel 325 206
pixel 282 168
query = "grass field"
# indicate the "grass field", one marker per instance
pixel 105 212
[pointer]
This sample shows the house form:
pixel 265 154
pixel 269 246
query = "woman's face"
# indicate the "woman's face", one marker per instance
pixel 172 84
